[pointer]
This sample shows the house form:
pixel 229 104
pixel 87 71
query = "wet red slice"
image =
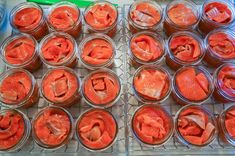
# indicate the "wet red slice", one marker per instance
pixel 182 15
pixel 12 129
pixel 185 48
pixel 97 52
pixel 222 45
pixel 151 84
pixel 101 16
pixel 226 80
pixel 63 17
pixel 194 126
pixel 151 125
pixel 19 50
pixel 59 85
pixel 27 18
pixel 15 87
pixel 218 12
pixel 57 49
pixel 193 86
pixel 145 14
pixel 97 129
pixel 146 48
pixel 230 122
pixel 101 88
pixel 52 127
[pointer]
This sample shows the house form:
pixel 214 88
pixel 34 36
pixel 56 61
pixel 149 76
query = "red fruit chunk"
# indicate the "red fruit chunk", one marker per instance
pixel 203 82
pixel 182 15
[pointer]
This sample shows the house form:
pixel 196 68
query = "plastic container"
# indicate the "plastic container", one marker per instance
pixel 185 10
pixel 18 92
pixel 206 24
pixel 155 54
pixel 19 136
pixel 61 87
pixel 164 134
pixel 101 88
pixel 96 119
pixel 94 51
pixel 152 9
pixel 195 90
pixel 57 123
pixel 35 24
pixel 223 77
pixel 13 52
pixel 225 118
pixel 223 49
pixel 195 141
pixel 59 12
pixel 58 49
pixel 108 29
pixel 159 86
pixel 190 55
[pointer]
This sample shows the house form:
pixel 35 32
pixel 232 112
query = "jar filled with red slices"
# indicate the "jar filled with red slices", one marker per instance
pixel 101 88
pixel 18 88
pixel 61 87
pixel 184 48
pixel 101 17
pixel 224 80
pixel 29 18
pixel 216 14
pixel 65 17
pixel 195 126
pixel 52 127
pixel 97 51
pixel 220 47
pixel 152 125
pixel 192 85
pixel 15 129
pixel 146 48
pixel 20 51
pixel 144 15
pixel 151 84
pixel 96 129
pixel 180 15
pixel 226 124
pixel 58 49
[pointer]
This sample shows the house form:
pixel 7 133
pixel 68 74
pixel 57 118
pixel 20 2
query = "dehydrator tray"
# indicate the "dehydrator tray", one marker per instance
pixel 123 110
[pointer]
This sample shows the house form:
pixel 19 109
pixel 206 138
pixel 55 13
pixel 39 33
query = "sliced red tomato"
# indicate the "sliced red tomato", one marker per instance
pixel 182 15
pixel 145 14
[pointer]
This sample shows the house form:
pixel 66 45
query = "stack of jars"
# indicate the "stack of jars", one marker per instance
pixel 195 37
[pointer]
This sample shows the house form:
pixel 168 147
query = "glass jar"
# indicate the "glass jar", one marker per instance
pixel 149 56
pixel 153 9
pixel 101 88
pixel 223 49
pixel 62 46
pixel 100 121
pixel 15 54
pixel 61 87
pixel 94 51
pixel 162 130
pixel 156 83
pixel 16 137
pixel 225 119
pixel 52 127
pixel 65 9
pixel 18 89
pixel 206 24
pixel 191 53
pixel 223 77
pixel 188 20
pixel 196 88
pixel 33 24
pixel 191 113
pixel 101 8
